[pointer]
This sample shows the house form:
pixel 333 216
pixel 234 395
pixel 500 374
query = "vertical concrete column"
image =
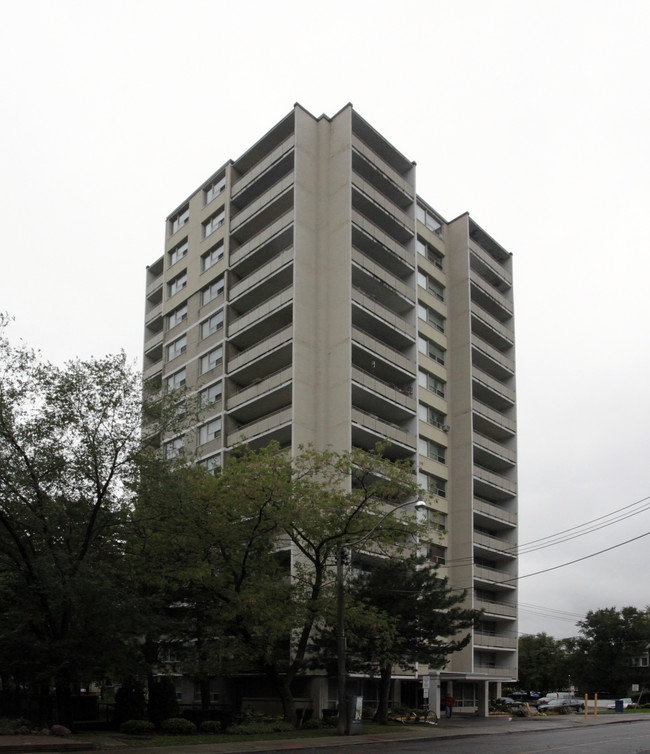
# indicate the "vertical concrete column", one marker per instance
pixel 483 693
pixel 434 693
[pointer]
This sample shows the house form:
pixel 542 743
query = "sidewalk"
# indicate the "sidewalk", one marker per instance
pixel 458 726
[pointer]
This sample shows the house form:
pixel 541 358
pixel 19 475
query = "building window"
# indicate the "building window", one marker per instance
pixel 174 448
pixel 437 520
pixel 178 283
pixel 178 347
pixel 210 292
pixel 179 219
pixel 210 431
pixel 431 416
pixel 436 553
pixel 211 464
pixel 213 222
pixel 433 318
pixel 433 484
pixel 178 252
pixel 428 219
pixel 431 383
pixel 176 380
pixel 431 449
pixel 431 350
pixel 177 316
pixel 211 257
pixel 211 325
pixel 428 252
pixel 432 286
pixel 211 359
pixel 211 394
pixel 214 188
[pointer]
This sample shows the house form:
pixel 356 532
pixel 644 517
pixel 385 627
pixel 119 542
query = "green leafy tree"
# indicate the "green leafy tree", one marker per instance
pixel 543 663
pixel 69 441
pixel 608 639
pixel 236 531
pixel 406 613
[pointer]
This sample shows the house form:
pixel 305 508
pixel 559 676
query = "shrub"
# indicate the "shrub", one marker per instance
pixel 211 726
pixel 137 727
pixel 311 724
pixel 178 726
pixel 279 726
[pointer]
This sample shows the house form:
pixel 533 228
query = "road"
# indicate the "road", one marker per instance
pixel 628 738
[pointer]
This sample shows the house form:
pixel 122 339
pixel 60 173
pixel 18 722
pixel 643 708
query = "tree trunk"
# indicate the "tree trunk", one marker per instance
pixel 282 685
pixel 385 680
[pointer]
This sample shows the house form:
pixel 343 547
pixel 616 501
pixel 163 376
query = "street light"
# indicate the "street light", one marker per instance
pixel 343 727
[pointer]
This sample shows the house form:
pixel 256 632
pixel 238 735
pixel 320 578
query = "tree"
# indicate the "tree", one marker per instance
pixel 608 639
pixel 69 441
pixel 542 663
pixel 261 539
pixel 405 614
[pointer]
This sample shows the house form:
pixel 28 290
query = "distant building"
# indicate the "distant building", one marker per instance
pixel 311 296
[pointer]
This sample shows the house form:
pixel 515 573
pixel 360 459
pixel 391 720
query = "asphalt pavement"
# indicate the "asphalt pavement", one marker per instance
pixel 457 727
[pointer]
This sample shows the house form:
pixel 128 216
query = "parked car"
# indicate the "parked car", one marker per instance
pixel 554 705
pixel 508 701
pixel 627 702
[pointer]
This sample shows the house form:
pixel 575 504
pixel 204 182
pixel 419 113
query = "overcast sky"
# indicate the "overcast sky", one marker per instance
pixel 532 116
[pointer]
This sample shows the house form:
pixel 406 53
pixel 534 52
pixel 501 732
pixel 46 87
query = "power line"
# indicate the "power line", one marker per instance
pixel 578 560
pixel 561 536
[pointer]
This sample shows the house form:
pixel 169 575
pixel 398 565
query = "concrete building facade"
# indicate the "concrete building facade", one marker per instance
pixel 309 295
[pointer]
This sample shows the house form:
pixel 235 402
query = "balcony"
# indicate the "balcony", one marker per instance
pixel 153 347
pixel 491 361
pixel 391 365
pixel 491 392
pixel 265 173
pixel 380 247
pixel 492 423
pixel 263 212
pixel 370 315
pixel 507 673
pixel 489 268
pixel 253 254
pixel 489 298
pixel 275 426
pixel 492 545
pixel 483 640
pixel 259 323
pixel 484 510
pixel 375 282
pixel 369 177
pixel 261 398
pixel 494 577
pixel 153 371
pixel 265 146
pixel 258 388
pixel 377 158
pixel 380 212
pixel 493 455
pixel 375 396
pixel 273 276
pixel 265 357
pixel 490 329
pixel 494 607
pixel 491 486
pixel 154 292
pixel 368 430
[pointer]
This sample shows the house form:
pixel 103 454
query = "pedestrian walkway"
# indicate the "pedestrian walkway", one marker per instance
pixel 458 726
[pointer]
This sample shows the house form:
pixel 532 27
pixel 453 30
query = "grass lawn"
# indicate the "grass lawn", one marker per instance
pixel 115 740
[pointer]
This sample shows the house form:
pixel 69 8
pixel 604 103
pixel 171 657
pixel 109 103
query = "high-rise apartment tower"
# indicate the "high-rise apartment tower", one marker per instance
pixel 311 296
